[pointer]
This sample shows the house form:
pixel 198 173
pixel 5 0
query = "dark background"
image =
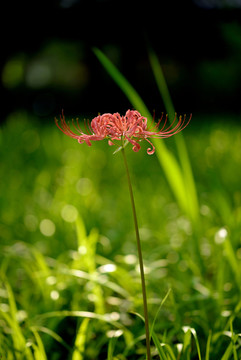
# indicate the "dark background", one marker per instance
pixel 48 64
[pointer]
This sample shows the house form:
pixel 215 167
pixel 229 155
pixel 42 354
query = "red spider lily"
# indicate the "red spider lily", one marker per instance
pixel 129 128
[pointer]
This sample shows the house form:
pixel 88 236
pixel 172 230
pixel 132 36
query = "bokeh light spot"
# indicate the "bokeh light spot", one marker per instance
pixel 84 186
pixel 47 227
pixel 69 213
pixel 54 295
pixel 114 333
pixel 221 236
pixel 107 268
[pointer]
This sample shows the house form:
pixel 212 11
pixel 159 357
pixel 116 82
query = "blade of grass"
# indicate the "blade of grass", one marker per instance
pixel 17 336
pixel 121 81
pixel 98 279
pixel 170 353
pixel 36 352
pixel 231 349
pixel 161 82
pixel 208 346
pixel 167 160
pixel 187 340
pixel 91 255
pixel 186 350
pixel 39 272
pixel 111 348
pixel 232 259
pixel 39 349
pixel 81 231
pixel 131 345
pixel 80 340
pixel 233 316
pixel 89 315
pixel 191 192
pixel 54 335
pixel 159 347
pixel 154 336
pixel 234 339
pixel 157 313
pixel 88 243
pixel 81 314
pixel 228 353
pixel 19 341
pixel 197 343
pixel 11 300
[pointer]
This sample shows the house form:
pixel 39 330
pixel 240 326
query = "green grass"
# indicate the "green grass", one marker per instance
pixel 69 282
pixel 70 288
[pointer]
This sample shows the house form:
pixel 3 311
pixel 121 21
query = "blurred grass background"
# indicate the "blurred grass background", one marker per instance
pixel 67 242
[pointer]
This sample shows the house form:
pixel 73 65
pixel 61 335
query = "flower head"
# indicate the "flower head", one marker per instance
pixel 117 129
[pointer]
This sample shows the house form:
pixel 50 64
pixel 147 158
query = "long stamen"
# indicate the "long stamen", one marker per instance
pixel 77 128
pixel 87 126
pixel 164 125
pixel 179 126
pixel 170 126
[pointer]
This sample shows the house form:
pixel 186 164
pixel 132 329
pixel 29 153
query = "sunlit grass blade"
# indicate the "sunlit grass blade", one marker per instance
pixel 164 355
pixel 161 83
pixel 207 355
pixel 231 351
pixel 81 232
pixel 233 316
pixel 159 347
pixel 111 348
pixel 39 348
pixel 189 183
pixel 186 350
pixel 98 280
pixel 39 272
pixel 121 81
pixel 197 343
pixel 157 313
pixel 87 244
pixel 234 340
pixel 11 301
pixel 232 259
pixel 188 332
pixel 169 352
pixel 54 335
pixel 166 158
pixel 19 341
pixel 107 318
pixel 173 174
pixel 80 340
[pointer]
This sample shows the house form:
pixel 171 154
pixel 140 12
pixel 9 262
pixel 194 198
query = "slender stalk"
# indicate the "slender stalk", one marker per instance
pixel 140 257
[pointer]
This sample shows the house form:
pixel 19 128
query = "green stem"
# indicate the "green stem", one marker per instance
pixel 140 257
